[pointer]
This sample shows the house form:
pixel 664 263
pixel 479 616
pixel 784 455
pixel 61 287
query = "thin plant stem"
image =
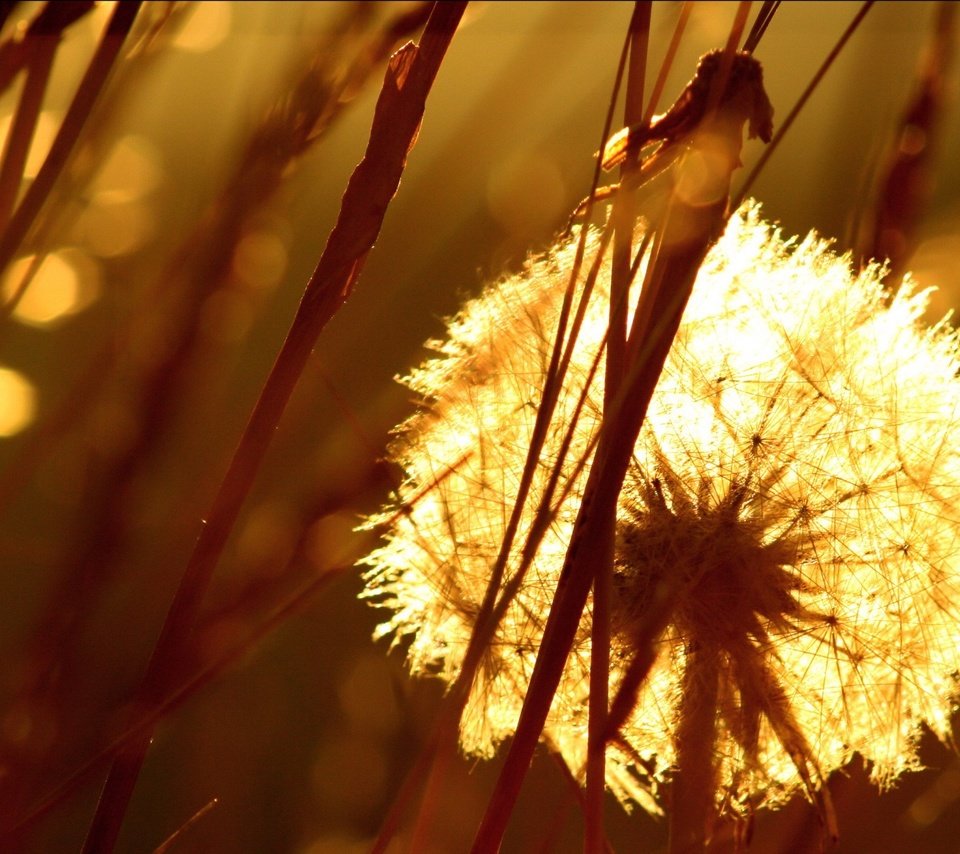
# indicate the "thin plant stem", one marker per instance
pixel 12 835
pixel 396 121
pixel 9 306
pixel 51 20
pixel 92 84
pixel 198 268
pixel 24 124
pixel 495 607
pixel 497 596
pixel 624 215
pixel 44 436
pixel 682 243
pixel 639 667
pixel 800 104
pixel 767 10
pixel 140 56
pixel 657 92
pixel 599 501
pixel 693 789
pixel 169 843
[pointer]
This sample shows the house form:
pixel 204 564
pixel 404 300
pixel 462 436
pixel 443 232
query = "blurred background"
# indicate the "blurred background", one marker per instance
pixel 147 302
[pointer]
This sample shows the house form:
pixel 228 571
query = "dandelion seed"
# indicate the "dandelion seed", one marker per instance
pixel 790 524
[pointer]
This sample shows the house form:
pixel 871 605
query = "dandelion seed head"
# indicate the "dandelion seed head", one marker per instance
pixel 793 503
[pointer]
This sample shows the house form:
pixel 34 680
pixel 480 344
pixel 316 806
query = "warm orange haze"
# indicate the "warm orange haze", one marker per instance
pixel 280 286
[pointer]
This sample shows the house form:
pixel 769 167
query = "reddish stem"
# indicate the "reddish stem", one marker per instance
pixel 24 123
pixel 624 215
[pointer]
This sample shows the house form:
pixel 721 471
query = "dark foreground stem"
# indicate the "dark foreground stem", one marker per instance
pixel 692 224
pixel 655 325
pixel 11 838
pixel 396 120
pixel 624 216
pixel 24 124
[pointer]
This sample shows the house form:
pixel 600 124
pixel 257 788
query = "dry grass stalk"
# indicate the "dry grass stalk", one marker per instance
pixel 397 118
pixel 319 94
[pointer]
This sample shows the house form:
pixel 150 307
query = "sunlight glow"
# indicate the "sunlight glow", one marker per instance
pixel 18 402
pixel 119 219
pixel 114 225
pixel 795 485
pixel 207 27
pixel 260 259
pixel 131 170
pixel 525 193
pixel 65 283
pixel 48 123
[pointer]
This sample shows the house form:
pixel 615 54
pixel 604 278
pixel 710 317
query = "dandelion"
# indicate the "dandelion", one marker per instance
pixel 788 534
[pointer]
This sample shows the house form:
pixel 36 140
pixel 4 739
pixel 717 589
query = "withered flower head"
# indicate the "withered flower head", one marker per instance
pixel 743 99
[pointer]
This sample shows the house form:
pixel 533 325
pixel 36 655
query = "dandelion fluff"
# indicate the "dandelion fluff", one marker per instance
pixel 795 489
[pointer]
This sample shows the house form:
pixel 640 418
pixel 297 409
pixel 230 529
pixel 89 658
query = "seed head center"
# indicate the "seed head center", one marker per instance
pixel 710 565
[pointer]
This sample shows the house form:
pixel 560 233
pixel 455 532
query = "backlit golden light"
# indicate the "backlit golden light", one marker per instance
pixel 65 283
pixel 18 402
pixel 260 259
pixel 48 123
pixel 794 491
pixel 119 219
pixel 115 225
pixel 206 28
pixel 150 285
pixel 130 171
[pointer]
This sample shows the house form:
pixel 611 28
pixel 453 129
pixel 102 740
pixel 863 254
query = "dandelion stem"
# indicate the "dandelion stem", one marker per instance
pixel 694 782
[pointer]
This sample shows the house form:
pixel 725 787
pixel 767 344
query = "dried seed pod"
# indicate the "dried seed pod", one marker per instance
pixel 788 539
pixel 743 99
